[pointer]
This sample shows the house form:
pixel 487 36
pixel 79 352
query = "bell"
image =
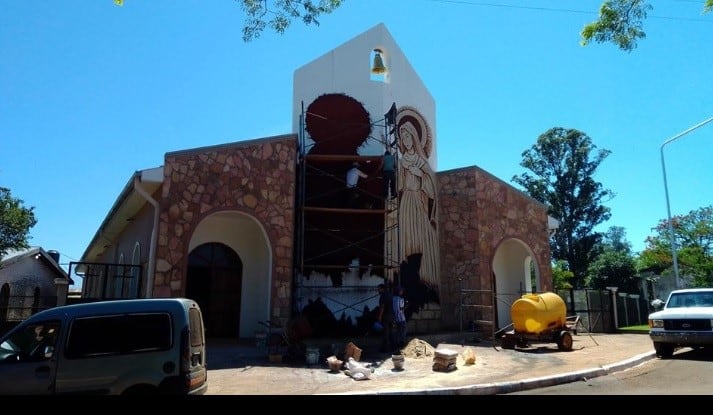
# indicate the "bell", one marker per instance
pixel 378 67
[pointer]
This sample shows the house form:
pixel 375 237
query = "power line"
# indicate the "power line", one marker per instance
pixel 560 10
pixel 509 6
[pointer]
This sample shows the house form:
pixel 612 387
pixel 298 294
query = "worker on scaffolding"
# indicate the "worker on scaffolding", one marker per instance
pixel 388 173
pixel 352 181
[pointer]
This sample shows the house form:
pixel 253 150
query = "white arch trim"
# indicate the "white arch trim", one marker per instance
pixel 511 265
pixel 247 237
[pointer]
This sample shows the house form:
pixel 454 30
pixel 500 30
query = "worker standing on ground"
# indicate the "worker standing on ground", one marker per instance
pixel 399 306
pixel 386 317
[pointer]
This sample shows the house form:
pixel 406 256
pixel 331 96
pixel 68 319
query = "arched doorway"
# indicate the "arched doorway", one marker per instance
pixel 515 273
pixel 214 281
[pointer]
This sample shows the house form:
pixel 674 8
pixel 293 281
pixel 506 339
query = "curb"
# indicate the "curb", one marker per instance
pixel 500 388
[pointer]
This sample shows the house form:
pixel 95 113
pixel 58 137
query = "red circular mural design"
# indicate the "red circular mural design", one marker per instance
pixel 338 124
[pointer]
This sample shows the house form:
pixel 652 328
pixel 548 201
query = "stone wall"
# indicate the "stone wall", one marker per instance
pixel 477 212
pixel 256 177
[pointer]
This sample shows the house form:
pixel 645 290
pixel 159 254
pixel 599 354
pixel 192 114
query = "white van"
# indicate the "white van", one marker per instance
pixel 142 346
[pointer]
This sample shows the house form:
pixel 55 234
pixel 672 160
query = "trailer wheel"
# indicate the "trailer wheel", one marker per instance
pixel 507 342
pixel 565 341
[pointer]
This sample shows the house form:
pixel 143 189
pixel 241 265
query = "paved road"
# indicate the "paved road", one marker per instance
pixel 688 372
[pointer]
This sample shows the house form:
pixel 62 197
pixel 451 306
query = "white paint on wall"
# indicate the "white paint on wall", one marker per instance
pixel 511 265
pixel 357 292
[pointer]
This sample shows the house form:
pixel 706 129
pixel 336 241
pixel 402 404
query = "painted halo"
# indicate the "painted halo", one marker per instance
pixel 418 121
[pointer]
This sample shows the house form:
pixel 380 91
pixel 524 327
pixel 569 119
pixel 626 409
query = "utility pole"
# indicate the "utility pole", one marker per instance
pixel 668 204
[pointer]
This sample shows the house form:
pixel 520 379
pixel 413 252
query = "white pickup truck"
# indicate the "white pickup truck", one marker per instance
pixel 685 321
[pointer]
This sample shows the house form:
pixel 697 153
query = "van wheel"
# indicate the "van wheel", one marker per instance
pixel 141 390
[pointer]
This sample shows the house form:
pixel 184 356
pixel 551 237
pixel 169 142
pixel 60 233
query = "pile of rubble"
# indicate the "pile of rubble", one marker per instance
pixel 444 359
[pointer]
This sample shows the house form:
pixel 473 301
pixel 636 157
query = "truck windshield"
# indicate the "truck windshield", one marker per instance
pixel 704 299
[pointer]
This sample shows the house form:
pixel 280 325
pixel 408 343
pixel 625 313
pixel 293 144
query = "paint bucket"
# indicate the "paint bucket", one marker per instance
pixel 312 355
pixel 398 361
pixel 335 364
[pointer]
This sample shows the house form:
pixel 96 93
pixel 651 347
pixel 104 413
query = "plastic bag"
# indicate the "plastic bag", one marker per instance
pixel 357 371
pixel 469 356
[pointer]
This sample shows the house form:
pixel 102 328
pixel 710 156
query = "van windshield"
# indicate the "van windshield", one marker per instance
pixel 34 342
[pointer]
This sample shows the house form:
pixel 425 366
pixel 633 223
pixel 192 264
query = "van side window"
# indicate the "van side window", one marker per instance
pixel 119 334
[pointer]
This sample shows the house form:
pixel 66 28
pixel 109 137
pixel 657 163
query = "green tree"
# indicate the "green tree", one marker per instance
pixel 563 163
pixel 615 239
pixel 621 22
pixel 561 276
pixel 693 235
pixel 614 265
pixel 278 14
pixel 15 222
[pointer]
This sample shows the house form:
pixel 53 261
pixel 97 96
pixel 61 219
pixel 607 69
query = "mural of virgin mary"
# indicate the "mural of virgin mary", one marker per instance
pixel 417 204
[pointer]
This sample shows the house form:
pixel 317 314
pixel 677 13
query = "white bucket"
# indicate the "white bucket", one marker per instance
pixel 312 355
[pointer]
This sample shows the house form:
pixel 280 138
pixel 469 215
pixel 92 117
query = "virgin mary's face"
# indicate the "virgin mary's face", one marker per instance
pixel 406 138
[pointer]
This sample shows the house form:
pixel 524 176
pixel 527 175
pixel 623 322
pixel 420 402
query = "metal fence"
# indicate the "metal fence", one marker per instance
pixel 105 281
pixel 599 311
pixel 603 311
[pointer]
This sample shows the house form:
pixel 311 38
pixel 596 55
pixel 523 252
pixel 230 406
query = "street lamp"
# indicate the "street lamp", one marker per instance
pixel 668 204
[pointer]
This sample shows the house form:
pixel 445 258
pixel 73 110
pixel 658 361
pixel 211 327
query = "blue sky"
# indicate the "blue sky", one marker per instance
pixel 91 92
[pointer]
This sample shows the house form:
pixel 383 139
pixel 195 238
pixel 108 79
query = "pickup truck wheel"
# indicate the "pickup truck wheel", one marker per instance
pixel 663 350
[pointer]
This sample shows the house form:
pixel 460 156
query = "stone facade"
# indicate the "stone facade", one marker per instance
pixel 477 212
pixel 256 177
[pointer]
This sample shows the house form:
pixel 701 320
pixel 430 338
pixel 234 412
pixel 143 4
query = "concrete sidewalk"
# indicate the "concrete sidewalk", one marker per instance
pixel 235 369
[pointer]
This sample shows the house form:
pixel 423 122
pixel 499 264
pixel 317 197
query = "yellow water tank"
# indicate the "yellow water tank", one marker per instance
pixel 537 313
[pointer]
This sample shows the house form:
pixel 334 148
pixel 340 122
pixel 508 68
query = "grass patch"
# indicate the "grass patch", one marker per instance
pixel 643 328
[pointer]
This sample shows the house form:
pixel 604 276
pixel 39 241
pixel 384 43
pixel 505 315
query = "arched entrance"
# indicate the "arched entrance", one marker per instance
pixel 214 280
pixel 245 298
pixel 515 273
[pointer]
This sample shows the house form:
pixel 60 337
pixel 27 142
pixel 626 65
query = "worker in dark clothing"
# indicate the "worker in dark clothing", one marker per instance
pixel 386 317
pixel 388 172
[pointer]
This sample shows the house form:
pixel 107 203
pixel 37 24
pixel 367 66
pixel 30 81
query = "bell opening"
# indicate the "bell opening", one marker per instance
pixel 378 67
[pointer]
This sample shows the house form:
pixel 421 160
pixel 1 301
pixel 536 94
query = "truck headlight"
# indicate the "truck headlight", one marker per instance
pixel 656 324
